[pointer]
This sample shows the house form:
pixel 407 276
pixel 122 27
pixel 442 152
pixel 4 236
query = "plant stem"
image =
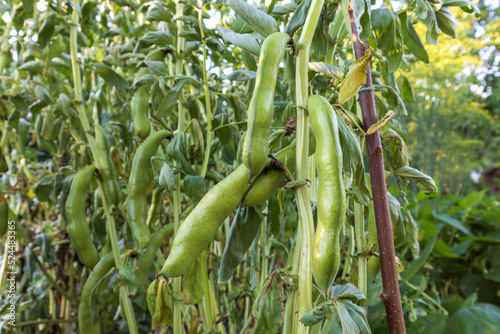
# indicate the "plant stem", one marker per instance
pixel 115 248
pixel 391 294
pixel 45 321
pixel 179 64
pixel 359 227
pixel 208 108
pixel 306 223
pixel 51 280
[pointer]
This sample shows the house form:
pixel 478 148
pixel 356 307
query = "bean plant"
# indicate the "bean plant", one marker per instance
pixel 212 167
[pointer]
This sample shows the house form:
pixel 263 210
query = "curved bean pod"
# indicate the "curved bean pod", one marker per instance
pixel 138 185
pixel 261 107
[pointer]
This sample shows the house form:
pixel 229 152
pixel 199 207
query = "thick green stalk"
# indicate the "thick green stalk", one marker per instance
pixel 359 226
pixel 208 108
pixel 115 248
pixel 179 64
pixel 77 79
pixel 306 224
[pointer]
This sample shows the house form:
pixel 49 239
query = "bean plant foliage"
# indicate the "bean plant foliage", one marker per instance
pixel 186 71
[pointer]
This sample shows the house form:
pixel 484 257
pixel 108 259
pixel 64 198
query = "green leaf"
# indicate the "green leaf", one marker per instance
pixel 362 13
pixel 156 67
pixel 31 66
pixel 170 99
pixel 316 315
pixel 42 94
pixel 453 222
pixel 355 78
pixel 192 285
pixel 245 41
pixel 275 214
pixel 396 215
pixel 406 89
pixel 348 291
pixel 143 80
pixel 431 23
pixel 389 38
pixel 395 148
pixel 110 76
pixel 136 290
pixel 424 181
pixel 240 75
pixel 46 30
pixel 443 250
pixel 167 178
pixel 493 275
pixel 353 162
pixel 434 323
pixel 157 12
pixel 244 229
pixel 298 18
pixel 481 318
pixel 411 38
pixel 446 22
pixel 352 318
pixel 328 70
pixel 160 38
pixel 269 316
pixel 261 22
pixel 43 188
pixel 415 265
pixel 195 188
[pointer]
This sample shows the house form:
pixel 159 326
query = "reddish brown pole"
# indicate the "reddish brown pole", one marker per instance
pixel 390 294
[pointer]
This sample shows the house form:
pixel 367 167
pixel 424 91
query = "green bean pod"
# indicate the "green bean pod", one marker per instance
pixel 4 214
pixel 269 180
pixel 200 226
pixel 78 227
pixel 146 259
pixel 106 167
pixel 155 208
pixel 138 185
pixel 331 192
pixel 85 326
pixel 261 107
pixel 140 112
pixel 140 100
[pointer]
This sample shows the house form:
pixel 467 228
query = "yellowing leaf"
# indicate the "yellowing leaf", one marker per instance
pixel 355 78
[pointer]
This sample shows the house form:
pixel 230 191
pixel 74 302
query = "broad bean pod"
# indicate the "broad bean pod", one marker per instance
pixel 85 325
pixel 138 185
pixel 331 192
pixel 146 259
pixel 200 226
pixel 261 107
pixel 78 227
pixel 140 100
pixel 269 180
pixel 106 167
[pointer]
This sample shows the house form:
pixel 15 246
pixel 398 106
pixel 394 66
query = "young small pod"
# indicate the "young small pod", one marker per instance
pixel 261 107
pixel 331 192
pixel 106 167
